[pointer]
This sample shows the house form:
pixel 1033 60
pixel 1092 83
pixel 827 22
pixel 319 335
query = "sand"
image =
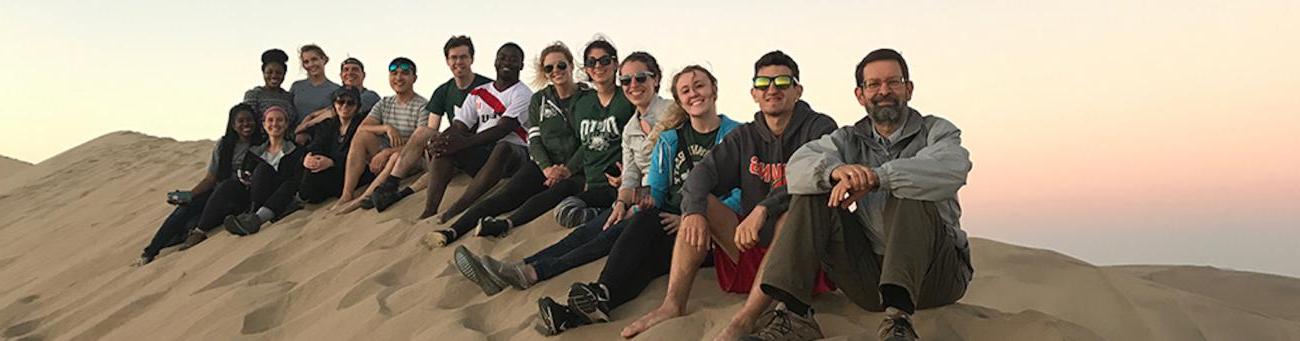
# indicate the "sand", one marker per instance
pixel 10 166
pixel 71 225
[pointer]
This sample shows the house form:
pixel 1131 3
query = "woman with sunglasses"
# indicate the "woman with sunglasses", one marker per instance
pixel 598 117
pixel 643 252
pixel 274 65
pixel 263 188
pixel 552 141
pixel 328 151
pixel 241 133
pixel 313 93
pixel 593 239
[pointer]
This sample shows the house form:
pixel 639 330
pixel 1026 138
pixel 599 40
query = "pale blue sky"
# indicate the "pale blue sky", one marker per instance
pixel 1115 131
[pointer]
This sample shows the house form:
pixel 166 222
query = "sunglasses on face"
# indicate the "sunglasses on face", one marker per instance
pixel 602 61
pixel 781 82
pixel 640 77
pixel 402 66
pixel 345 102
pixel 560 66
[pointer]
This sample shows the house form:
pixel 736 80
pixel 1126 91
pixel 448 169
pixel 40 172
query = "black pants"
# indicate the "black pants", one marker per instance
pixel 585 244
pixel 596 196
pixel 231 197
pixel 318 187
pixel 524 185
pixel 642 253
pixel 174 228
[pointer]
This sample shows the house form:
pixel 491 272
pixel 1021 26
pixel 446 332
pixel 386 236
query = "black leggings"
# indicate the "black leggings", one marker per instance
pixel 644 252
pixel 522 186
pixel 318 187
pixel 174 228
pixel 233 197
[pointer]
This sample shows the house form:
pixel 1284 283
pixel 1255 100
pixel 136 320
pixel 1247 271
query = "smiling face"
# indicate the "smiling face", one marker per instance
pixel 595 66
pixel 345 106
pixel 638 92
pixel 775 101
pixel 558 76
pixel 696 94
pixel 402 80
pixel 313 62
pixel 884 92
pixel 508 64
pixel 275 123
pixel 352 75
pixel 273 75
pixel 244 125
pixel 459 61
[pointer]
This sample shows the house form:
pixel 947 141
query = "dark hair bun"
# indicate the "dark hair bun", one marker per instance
pixel 274 56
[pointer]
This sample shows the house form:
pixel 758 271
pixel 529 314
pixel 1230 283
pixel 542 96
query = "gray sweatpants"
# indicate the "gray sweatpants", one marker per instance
pixel 920 255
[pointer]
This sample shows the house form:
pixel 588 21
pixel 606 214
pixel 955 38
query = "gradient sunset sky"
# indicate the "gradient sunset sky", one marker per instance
pixel 1114 131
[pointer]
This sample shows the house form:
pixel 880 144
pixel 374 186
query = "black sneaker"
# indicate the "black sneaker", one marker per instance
pixel 472 268
pixel 554 318
pixel 897 326
pixel 243 224
pixel 384 198
pixel 366 203
pixel 590 300
pixel 438 238
pixel 491 227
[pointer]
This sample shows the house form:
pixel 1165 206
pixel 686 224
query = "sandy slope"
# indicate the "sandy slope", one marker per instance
pixel 10 166
pixel 71 224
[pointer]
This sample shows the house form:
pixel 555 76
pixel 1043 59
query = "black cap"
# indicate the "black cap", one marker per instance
pixel 354 61
pixel 348 91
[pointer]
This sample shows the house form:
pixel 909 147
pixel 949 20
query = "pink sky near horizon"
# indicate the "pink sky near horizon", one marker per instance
pixel 1103 120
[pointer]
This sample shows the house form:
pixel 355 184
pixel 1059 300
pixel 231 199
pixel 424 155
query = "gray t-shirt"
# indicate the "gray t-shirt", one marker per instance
pixel 368 100
pixel 308 98
pixel 237 158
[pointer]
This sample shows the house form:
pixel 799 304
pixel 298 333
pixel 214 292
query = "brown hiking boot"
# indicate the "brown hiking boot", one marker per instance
pixel 785 325
pixel 897 326
pixel 196 236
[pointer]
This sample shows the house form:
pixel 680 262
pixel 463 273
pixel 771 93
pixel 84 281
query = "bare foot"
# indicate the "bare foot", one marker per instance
pixel 349 207
pixel 650 320
pixel 734 331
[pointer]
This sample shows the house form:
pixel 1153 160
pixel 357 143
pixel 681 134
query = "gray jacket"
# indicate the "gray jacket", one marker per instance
pixel 636 147
pixel 925 161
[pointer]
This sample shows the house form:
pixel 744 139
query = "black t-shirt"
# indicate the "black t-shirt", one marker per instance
pixel 691 148
pixel 447 97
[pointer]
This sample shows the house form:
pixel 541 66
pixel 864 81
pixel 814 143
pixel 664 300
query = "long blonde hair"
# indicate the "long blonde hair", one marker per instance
pixel 675 116
pixel 541 78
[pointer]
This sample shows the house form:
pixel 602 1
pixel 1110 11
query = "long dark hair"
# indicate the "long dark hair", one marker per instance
pixel 226 146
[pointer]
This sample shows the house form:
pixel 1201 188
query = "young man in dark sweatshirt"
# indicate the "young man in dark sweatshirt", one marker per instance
pixel 753 159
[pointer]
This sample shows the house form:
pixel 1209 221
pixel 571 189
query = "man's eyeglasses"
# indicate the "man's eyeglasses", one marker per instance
pixel 640 77
pixel 781 82
pixel 895 84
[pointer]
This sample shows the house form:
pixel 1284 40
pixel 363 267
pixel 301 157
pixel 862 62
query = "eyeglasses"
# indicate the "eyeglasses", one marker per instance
pixel 781 82
pixel 895 84
pixel 561 66
pixel 640 77
pixel 603 61
pixel 345 102
pixel 402 66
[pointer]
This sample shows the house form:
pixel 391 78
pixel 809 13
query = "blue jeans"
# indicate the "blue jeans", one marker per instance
pixel 585 244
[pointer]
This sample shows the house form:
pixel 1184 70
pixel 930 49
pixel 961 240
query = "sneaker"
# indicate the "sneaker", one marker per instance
pixel 566 212
pixel 590 300
pixel 243 224
pixel 366 203
pixel 491 227
pixel 438 238
pixel 784 325
pixel 554 318
pixel 196 236
pixel 897 326
pixel 472 268
pixel 512 274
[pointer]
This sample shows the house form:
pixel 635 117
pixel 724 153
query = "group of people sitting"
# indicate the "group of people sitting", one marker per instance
pixel 783 207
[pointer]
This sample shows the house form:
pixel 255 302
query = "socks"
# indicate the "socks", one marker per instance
pixel 265 214
pixel 897 297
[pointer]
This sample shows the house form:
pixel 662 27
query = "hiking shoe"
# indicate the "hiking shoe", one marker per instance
pixel 897 326
pixel 469 265
pixel 243 224
pixel 491 227
pixel 438 238
pixel 590 300
pixel 554 318
pixel 195 237
pixel 512 274
pixel 785 325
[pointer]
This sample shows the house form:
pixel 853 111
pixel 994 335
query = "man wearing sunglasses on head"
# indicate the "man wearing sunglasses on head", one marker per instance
pixel 751 158
pixel 877 202
pixel 384 131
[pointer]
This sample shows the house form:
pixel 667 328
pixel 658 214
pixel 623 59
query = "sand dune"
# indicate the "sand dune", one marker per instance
pixel 71 225
pixel 10 166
